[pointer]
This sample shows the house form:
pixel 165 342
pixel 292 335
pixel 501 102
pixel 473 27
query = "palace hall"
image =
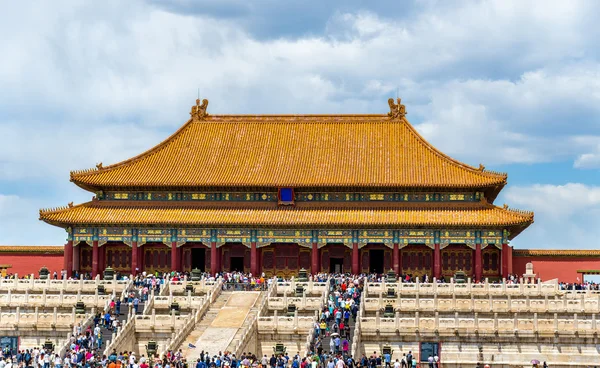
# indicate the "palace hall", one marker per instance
pixel 276 193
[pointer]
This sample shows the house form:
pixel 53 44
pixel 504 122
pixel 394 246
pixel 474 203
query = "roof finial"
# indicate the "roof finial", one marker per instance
pixel 481 167
pixel 199 111
pixel 99 166
pixel 397 110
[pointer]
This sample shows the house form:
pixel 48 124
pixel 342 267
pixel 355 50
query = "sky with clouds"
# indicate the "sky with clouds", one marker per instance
pixel 514 85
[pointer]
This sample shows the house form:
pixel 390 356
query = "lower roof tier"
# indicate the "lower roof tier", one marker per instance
pixel 186 214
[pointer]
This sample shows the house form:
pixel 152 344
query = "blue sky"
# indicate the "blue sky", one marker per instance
pixel 514 85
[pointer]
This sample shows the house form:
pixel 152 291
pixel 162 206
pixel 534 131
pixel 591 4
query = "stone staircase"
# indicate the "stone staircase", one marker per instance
pixel 205 322
pixel 248 322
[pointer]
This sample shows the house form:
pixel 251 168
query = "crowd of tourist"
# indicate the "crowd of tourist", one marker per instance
pixel 330 347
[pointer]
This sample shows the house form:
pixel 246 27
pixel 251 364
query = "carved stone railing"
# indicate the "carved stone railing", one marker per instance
pixel 84 286
pixel 464 324
pixel 585 303
pixel 285 325
pixel 311 287
pixel 468 288
pixel 41 321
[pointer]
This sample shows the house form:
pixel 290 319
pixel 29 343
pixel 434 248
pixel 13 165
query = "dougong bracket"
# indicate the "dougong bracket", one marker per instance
pixel 397 110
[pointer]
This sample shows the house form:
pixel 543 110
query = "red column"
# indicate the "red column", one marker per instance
pixel 174 257
pixel 510 259
pixel 69 258
pixel 94 258
pixel 396 258
pixel 315 258
pixel 478 262
pixel 213 258
pixel 355 264
pixel 437 264
pixel 134 258
pixel 253 259
pixel 504 260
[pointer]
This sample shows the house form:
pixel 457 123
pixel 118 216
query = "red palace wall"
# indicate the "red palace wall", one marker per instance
pixel 564 268
pixel 28 262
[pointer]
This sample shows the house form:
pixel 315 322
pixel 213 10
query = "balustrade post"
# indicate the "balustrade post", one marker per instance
pixel 527 302
pixel 275 320
pixel 565 302
pixel 10 295
pixel 437 320
pixel 453 301
pixel 44 295
pixel 18 314
pixel 173 318
pixel 515 322
pixel 535 322
pixel 583 302
pixel 495 321
pixel 456 324
pixel 503 285
pixel 377 320
pixel 575 322
pixel 73 315
pixel 491 302
pixel 509 298
pixel 487 285
pixel 472 302
pixel 556 322
pixel 476 317
pixel 189 298
pixel 435 302
pixel 296 319
pixel 303 303
pixel 417 320
pixel 417 301
pixel 37 315
pixel 418 285
pixel 380 301
pixel 546 308
pixel 397 320
pixel 26 296
pixel 594 322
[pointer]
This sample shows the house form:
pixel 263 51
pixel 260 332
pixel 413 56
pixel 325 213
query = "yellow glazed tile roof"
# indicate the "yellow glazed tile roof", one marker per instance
pixel 41 249
pixel 169 213
pixel 556 252
pixel 291 150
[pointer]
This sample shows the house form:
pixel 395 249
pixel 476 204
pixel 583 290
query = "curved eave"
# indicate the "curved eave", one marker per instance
pixel 145 213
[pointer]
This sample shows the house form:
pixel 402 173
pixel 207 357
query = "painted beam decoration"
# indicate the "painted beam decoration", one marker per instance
pixel 301 237
pixel 304 238
pixel 299 196
pixel 385 237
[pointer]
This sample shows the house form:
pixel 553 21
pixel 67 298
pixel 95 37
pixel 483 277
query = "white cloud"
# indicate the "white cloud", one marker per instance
pixel 566 216
pixel 19 224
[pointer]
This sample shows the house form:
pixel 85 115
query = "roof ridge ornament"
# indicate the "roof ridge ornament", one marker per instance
pixel 397 110
pixel 199 110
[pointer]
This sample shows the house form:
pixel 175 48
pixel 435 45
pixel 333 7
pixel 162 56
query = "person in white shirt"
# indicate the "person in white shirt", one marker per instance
pixel 397 364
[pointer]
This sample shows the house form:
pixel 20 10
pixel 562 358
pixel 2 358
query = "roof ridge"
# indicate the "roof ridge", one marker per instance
pixel 480 171
pixel 100 168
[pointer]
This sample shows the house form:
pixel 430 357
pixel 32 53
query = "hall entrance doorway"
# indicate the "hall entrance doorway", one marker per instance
pixel 376 258
pixel 237 264
pixel 198 258
pixel 336 265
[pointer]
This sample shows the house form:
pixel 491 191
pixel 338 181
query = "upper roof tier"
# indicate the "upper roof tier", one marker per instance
pixel 292 151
